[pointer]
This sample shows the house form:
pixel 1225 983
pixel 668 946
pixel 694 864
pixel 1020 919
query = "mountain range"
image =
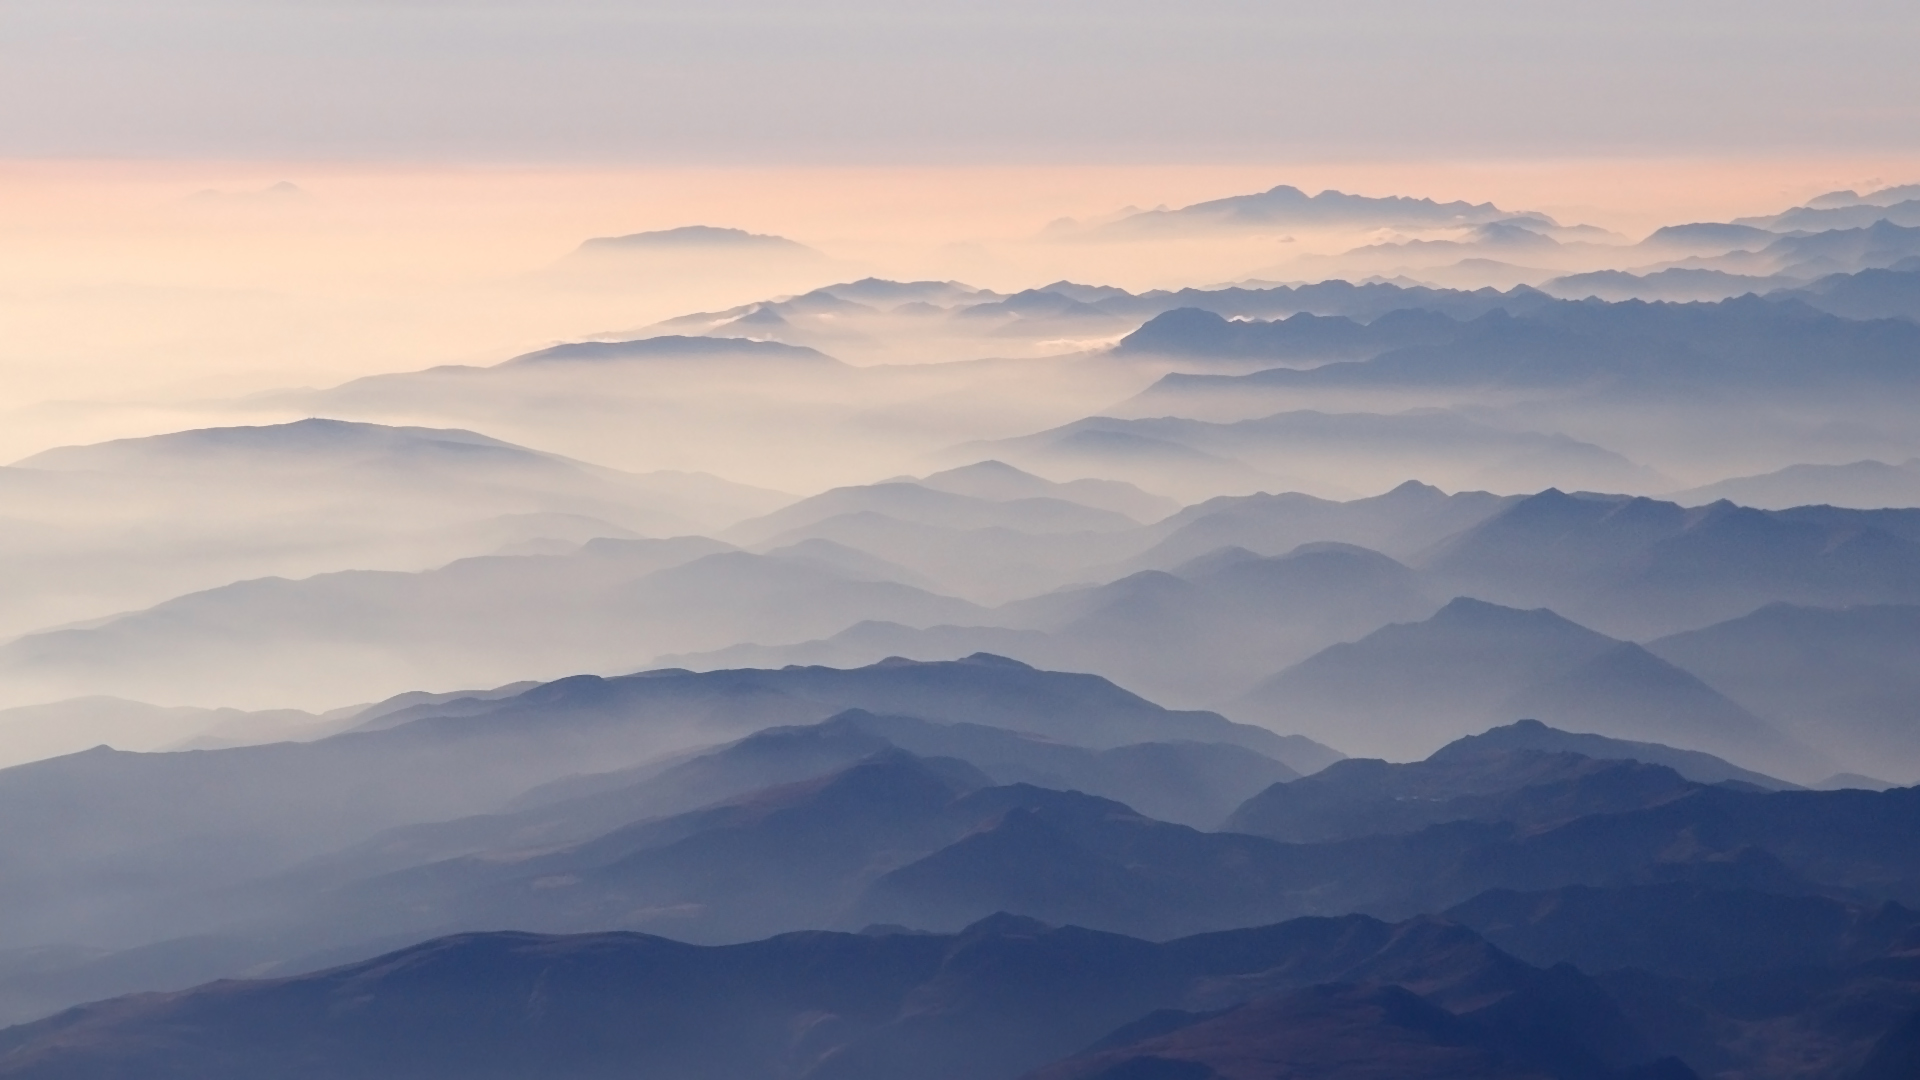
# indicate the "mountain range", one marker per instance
pixel 113 526
pixel 1551 854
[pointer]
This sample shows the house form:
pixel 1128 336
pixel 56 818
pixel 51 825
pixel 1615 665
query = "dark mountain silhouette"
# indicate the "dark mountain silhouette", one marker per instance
pixel 1534 735
pixel 173 830
pixel 820 852
pixel 1895 1055
pixel 1192 783
pixel 1688 930
pixel 789 857
pixel 1189 783
pixel 925 842
pixel 1847 677
pixel 1620 824
pixel 1461 782
pixel 1004 997
pixel 1409 687
pixel 1361 1031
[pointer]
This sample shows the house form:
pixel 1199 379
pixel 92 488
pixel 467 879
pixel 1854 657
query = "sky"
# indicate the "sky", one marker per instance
pixel 450 152
pixel 869 82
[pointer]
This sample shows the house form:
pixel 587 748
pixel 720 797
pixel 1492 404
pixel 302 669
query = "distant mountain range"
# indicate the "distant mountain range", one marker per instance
pixel 121 525
pixel 1289 207
pixel 1414 686
pixel 1841 678
pixel 1580 346
pixel 1194 457
pixel 1866 485
pixel 1640 567
pixel 1002 998
pixel 696 238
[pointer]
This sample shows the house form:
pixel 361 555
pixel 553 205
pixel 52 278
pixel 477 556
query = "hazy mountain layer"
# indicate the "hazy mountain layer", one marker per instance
pixel 1472 664
pixel 96 530
pixel 1846 678
pixel 1003 997
pixel 171 827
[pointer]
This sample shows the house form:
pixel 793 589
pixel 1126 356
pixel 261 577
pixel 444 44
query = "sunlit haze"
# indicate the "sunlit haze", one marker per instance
pixel 748 540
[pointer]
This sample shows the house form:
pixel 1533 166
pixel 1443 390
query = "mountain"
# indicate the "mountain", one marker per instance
pixel 1198 333
pixel 1645 568
pixel 1224 619
pixel 34 732
pixel 1204 629
pixel 1194 783
pixel 991 564
pixel 1407 688
pixel 1402 522
pixel 999 481
pixel 1534 735
pixel 788 857
pixel 437 464
pixel 611 605
pixel 1869 242
pixel 1841 678
pixel 125 524
pixel 1676 284
pixel 1072 857
pixel 1868 294
pixel 673 348
pixel 1532 789
pixel 921 504
pixel 1624 348
pixel 1688 930
pixel 894 838
pixel 1708 238
pixel 174 830
pixel 1866 485
pixel 1383 1031
pixel 1002 998
pixel 1881 197
pixel 1372 450
pixel 1289 207
pixel 695 238
pixel 1859 215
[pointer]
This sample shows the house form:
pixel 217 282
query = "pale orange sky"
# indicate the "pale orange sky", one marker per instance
pixel 116 287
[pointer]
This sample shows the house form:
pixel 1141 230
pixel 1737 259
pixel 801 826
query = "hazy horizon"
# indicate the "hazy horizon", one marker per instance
pixel 854 541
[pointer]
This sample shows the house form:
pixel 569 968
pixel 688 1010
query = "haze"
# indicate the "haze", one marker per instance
pixel 1111 541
